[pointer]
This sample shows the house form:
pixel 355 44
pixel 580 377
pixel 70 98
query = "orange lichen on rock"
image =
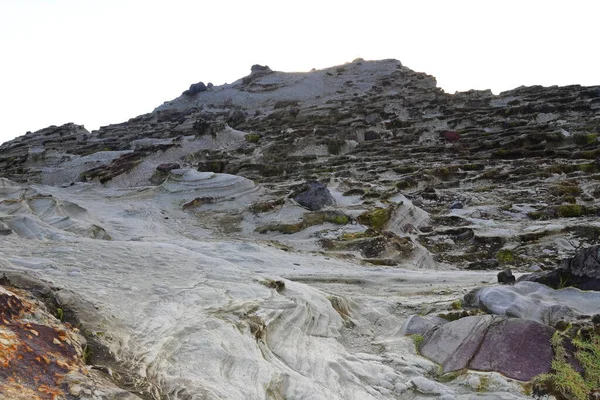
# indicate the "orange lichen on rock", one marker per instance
pixel 35 356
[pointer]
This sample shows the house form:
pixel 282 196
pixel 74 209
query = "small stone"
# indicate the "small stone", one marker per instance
pixel 456 205
pixel 506 277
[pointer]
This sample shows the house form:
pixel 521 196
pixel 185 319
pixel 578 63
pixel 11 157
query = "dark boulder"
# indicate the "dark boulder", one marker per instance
pixel 506 277
pixel 195 88
pixel 581 271
pixel 314 195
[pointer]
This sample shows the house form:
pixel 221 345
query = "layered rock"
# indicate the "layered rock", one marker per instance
pixel 521 164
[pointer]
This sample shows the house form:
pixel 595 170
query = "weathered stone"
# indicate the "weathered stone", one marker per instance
pixel 517 348
pixel 167 167
pixel 314 196
pixel 506 277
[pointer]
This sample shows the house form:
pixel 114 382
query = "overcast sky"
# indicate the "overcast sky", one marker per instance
pixel 105 61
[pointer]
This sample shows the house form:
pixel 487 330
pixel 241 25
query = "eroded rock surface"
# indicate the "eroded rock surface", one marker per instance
pixel 428 194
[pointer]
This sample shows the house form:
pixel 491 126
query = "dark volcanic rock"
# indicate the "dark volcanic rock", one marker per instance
pixel 582 271
pixel 314 196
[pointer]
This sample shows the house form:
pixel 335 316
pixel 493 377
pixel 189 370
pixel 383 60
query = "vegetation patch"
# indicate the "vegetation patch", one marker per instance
pixel 571 210
pixel 418 339
pixel 583 139
pixel 505 256
pixel 307 221
pixel 358 235
pixel 566 188
pixel 266 206
pixel 407 184
pixel 376 218
pixel 252 137
pixel 565 382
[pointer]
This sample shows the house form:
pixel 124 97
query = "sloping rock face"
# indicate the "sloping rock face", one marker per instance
pixel 521 164
pixel 181 226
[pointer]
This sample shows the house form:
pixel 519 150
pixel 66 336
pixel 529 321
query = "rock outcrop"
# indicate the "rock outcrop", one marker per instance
pixel 517 348
pixel 322 181
pixel 581 271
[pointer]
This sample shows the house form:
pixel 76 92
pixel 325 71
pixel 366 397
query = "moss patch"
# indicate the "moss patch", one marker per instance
pixel 266 206
pixel 307 221
pixel 505 256
pixel 566 383
pixel 583 139
pixel 252 137
pixel 376 218
pixel 571 210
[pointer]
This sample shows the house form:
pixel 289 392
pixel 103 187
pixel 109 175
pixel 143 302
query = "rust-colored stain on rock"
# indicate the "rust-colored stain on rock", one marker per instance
pixel 36 351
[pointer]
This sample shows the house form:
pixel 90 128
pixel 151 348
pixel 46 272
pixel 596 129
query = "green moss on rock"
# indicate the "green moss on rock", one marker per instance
pixel 252 137
pixel 505 256
pixel 376 218
pixel 571 210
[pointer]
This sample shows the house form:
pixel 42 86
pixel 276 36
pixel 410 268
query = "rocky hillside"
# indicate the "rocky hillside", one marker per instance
pixel 507 179
pixel 283 234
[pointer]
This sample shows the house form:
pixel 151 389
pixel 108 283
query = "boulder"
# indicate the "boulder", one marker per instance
pixel 506 277
pixel 314 195
pixel 517 348
pixel 534 301
pixel 581 271
pixel 195 88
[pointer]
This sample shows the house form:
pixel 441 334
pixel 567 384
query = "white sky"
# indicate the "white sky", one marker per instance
pixel 105 61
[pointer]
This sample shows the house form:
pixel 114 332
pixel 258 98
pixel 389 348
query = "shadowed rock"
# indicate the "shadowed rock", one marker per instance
pixel 314 196
pixel 506 277
pixel 582 271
